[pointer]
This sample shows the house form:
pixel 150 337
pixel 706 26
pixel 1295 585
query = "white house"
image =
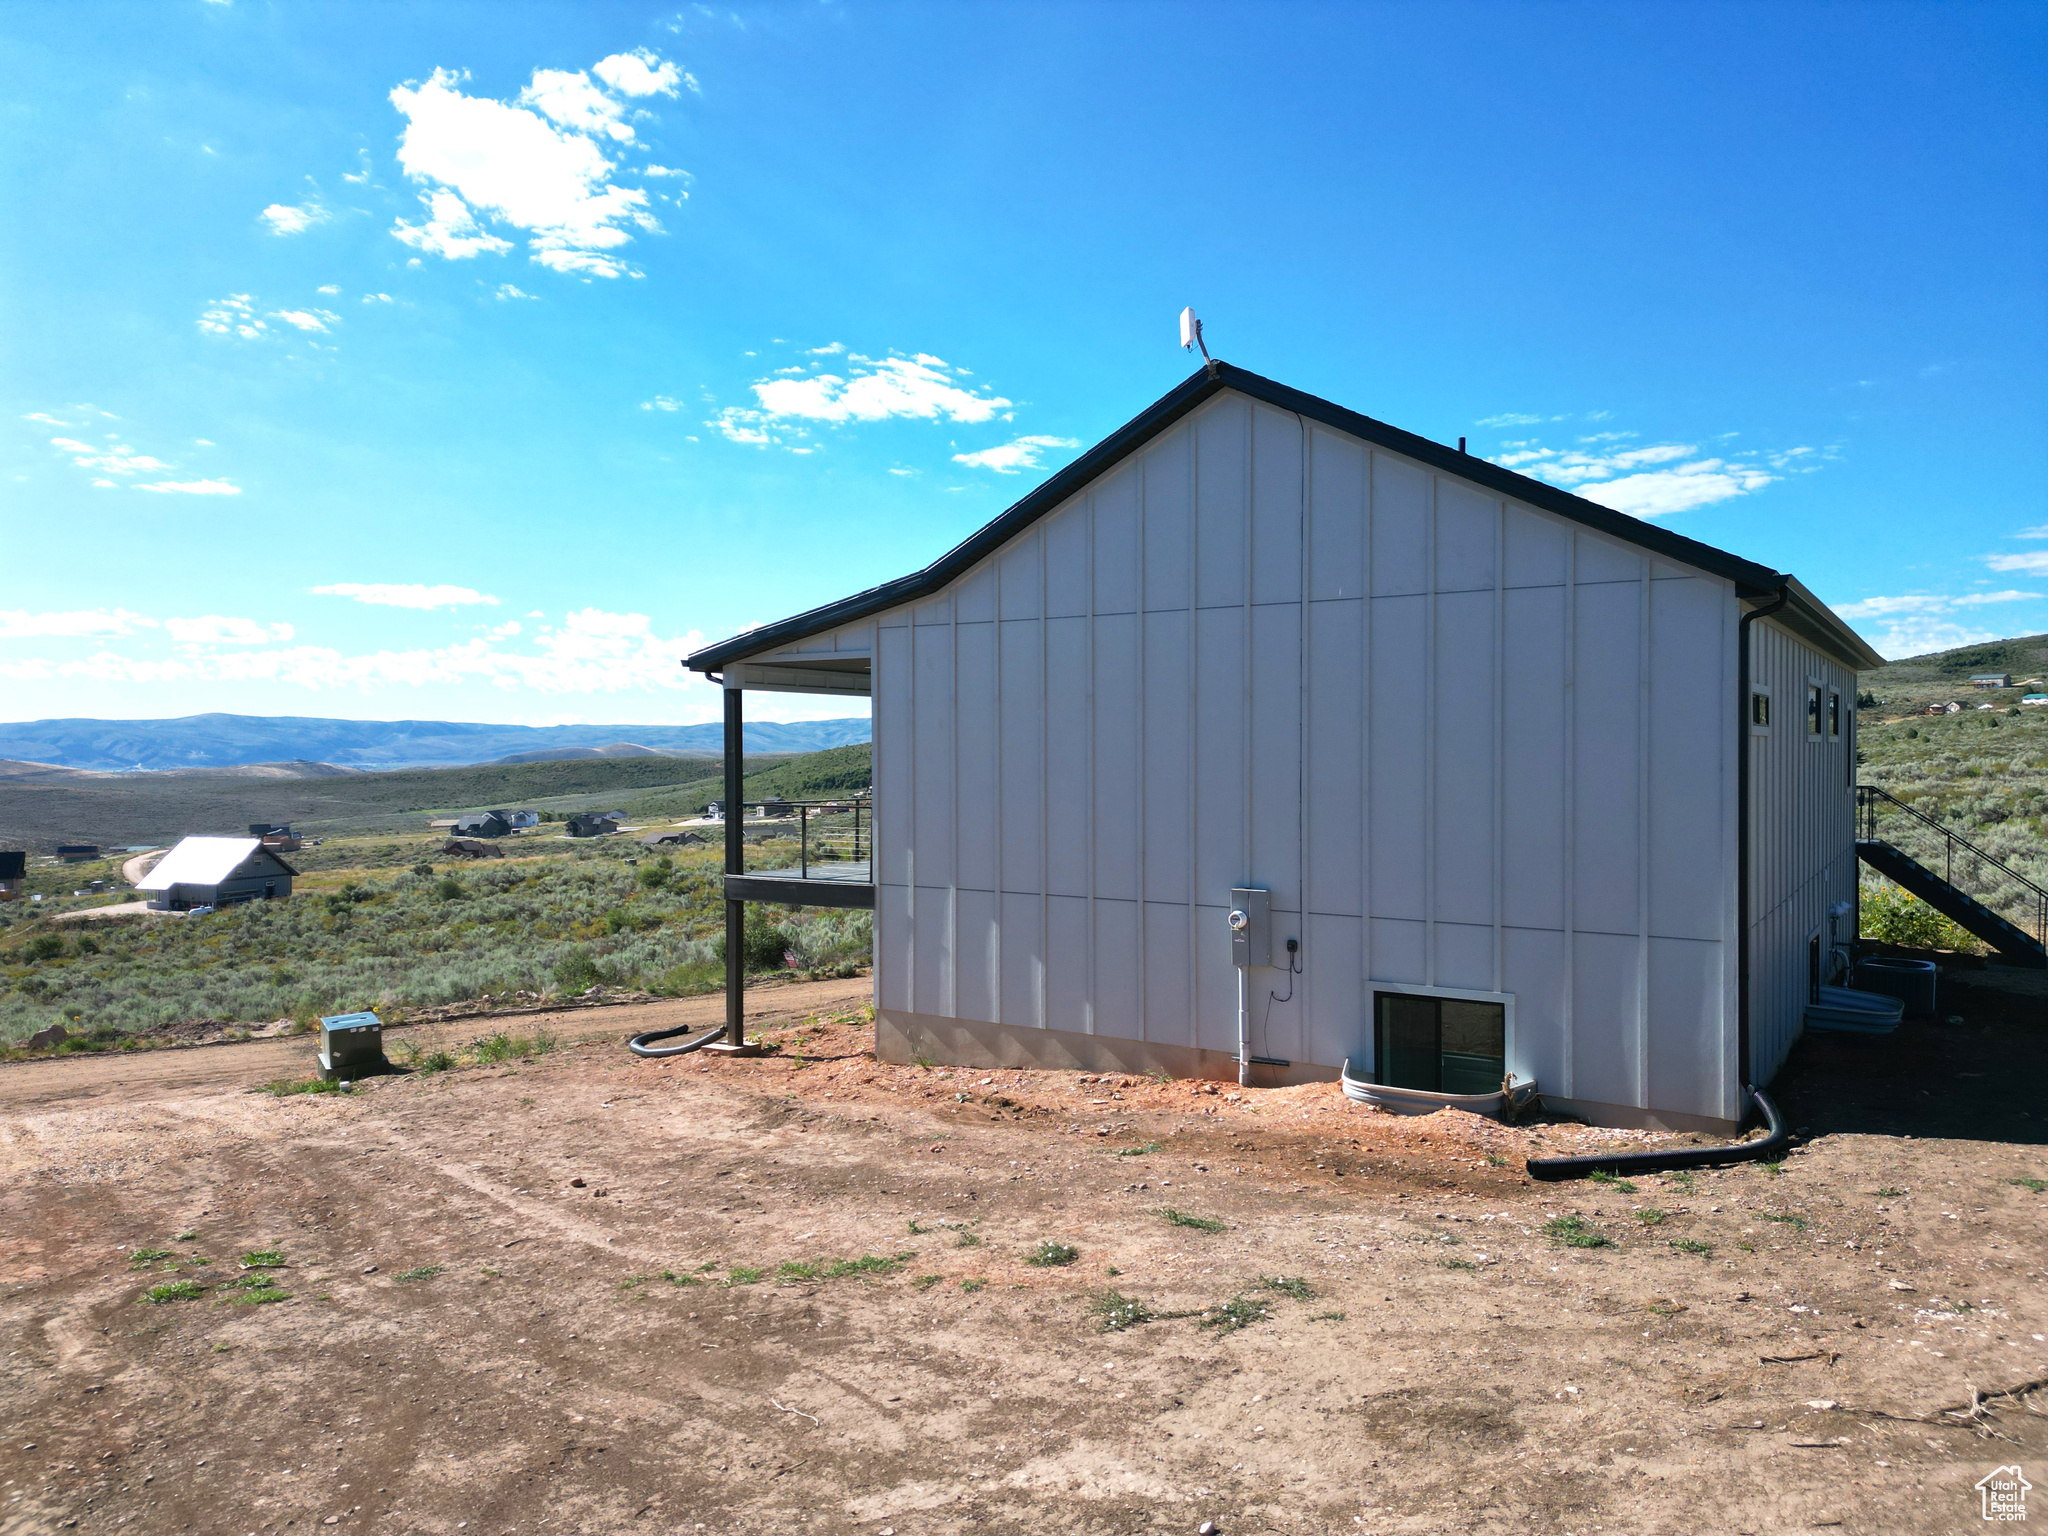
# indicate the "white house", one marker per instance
pixel 214 872
pixel 1531 785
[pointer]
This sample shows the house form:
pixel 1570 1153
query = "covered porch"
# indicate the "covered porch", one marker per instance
pixel 833 864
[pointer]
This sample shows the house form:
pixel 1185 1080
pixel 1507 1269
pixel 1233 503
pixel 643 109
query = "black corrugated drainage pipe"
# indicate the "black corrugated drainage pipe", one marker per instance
pixel 1770 1145
pixel 642 1045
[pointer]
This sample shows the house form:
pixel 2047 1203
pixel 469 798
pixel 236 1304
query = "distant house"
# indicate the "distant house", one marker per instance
pixel 592 825
pixel 277 836
pixel 2035 699
pixel 1992 680
pixel 777 807
pixel 13 869
pixel 483 824
pixel 673 837
pixel 1950 708
pixel 519 821
pixel 77 853
pixel 216 872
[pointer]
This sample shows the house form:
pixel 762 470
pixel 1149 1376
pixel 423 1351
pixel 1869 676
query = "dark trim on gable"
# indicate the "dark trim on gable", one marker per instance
pixel 1751 580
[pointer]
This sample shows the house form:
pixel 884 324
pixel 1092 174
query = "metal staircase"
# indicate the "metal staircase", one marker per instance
pixel 2011 904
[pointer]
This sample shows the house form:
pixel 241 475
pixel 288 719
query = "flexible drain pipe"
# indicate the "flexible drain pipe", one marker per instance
pixel 1773 1142
pixel 640 1045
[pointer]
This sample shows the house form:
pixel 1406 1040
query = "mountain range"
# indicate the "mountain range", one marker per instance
pixel 232 741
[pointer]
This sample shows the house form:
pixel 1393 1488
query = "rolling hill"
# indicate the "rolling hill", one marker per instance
pixel 230 741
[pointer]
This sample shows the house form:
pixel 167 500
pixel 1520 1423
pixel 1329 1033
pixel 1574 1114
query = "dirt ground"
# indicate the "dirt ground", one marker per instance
pixel 587 1293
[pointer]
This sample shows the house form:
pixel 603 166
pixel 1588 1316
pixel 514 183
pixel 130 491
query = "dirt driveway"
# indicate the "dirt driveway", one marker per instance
pixel 586 1293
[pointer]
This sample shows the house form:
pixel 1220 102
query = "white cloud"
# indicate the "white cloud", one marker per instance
pixel 285 219
pixel 308 319
pixel 404 594
pixel 81 624
pixel 1514 419
pixel 2025 533
pixel 114 458
pixel 1916 635
pixel 536 167
pixel 591 652
pixel 2033 562
pixel 330 288
pixel 376 298
pixel 641 73
pixel 50 421
pixel 511 291
pixel 661 403
pixel 1010 457
pixel 1926 602
pixel 215 629
pixel 509 627
pixel 922 387
pixel 194 488
pixel 1653 479
pixel 664 170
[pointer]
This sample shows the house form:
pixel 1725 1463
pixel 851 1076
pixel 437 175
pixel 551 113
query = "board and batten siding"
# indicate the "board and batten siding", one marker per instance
pixel 1803 834
pixel 1466 744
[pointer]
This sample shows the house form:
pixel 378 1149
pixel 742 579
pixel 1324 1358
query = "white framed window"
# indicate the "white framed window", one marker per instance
pixel 1760 709
pixel 1441 1039
pixel 1815 709
pixel 1834 714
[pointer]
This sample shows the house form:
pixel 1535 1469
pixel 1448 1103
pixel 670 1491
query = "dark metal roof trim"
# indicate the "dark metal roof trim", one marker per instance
pixel 1750 579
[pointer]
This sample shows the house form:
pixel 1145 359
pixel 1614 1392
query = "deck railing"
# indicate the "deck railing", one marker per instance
pixel 833 838
pixel 1882 816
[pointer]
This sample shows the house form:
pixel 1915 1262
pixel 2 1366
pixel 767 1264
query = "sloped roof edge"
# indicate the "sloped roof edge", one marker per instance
pixel 1750 579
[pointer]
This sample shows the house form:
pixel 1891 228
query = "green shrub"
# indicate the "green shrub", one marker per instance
pixel 44 946
pixel 1052 1255
pixel 174 1290
pixel 1894 915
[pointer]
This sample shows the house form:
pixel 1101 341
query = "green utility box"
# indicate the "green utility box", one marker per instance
pixel 351 1045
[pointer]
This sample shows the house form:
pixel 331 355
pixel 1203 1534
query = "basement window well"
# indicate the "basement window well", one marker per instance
pixel 1439 1044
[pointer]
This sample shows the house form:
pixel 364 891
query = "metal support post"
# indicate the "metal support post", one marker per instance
pixel 735 864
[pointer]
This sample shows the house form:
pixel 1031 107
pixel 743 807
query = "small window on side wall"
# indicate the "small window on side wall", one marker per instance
pixel 1439 1044
pixel 1760 710
pixel 1813 711
pixel 1834 715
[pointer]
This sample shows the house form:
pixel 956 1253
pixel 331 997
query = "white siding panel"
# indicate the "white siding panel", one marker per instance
pixel 1220 747
pixel 1169 1006
pixel 1068 560
pixel 1118 783
pixel 1335 770
pixel 933 771
pixel 1533 718
pixel 978 774
pixel 1400 527
pixel 1606 1010
pixel 1536 549
pixel 1606 766
pixel 1019 570
pixel 1167 789
pixel 1601 559
pixel 1116 540
pixel 1215 981
pixel 892 946
pixel 933 963
pixel 1400 952
pixel 1685 1027
pixel 974 599
pixel 1069 962
pixel 1169 521
pixel 937 610
pixel 1337 515
pixel 1023 976
pixel 1222 491
pixel 1276 753
pixel 1067 794
pixel 1689 752
pixel 1534 968
pixel 1276 506
pixel 1397 803
pixel 895 835
pixel 1117 953
pixel 1467 528
pixel 978 992
pixel 1332 984
pixel 1464 956
pixel 1462 808
pixel 1023 745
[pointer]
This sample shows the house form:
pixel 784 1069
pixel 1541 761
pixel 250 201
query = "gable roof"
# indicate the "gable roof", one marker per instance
pixel 205 861
pixel 1803 611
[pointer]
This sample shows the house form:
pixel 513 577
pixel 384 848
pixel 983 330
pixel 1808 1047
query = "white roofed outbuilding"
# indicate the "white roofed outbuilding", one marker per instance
pixel 216 871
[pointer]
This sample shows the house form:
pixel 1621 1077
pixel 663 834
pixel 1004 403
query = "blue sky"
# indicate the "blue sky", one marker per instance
pixel 475 361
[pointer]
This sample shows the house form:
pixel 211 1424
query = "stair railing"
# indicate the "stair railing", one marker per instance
pixel 1870 799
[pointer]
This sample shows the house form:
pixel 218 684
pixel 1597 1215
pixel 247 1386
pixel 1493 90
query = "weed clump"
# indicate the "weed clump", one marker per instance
pixel 286 1087
pixel 1238 1312
pixel 1573 1232
pixel 1289 1285
pixel 1618 1185
pixel 1183 1219
pixel 256 1290
pixel 1693 1245
pixel 1145 1151
pixel 424 1272
pixel 2036 1185
pixel 263 1258
pixel 1785 1219
pixel 1650 1216
pixel 740 1274
pixel 1115 1312
pixel 1051 1255
pixel 173 1290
